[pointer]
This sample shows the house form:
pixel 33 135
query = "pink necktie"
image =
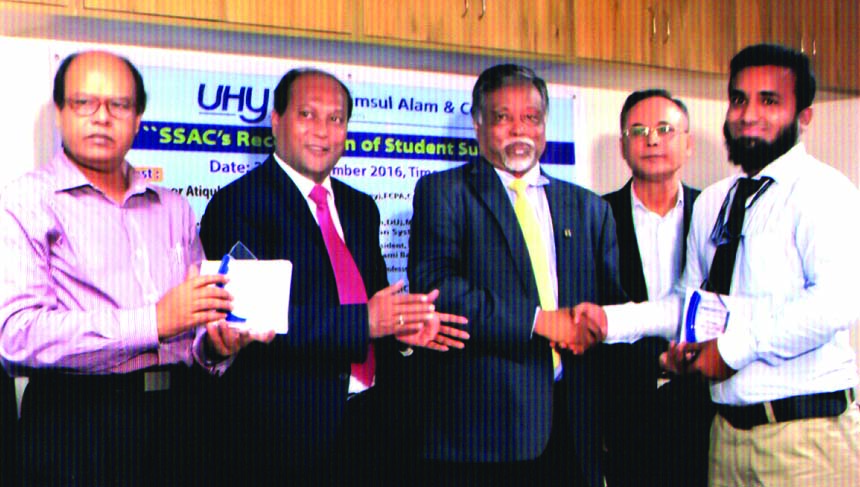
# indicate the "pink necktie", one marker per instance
pixel 350 285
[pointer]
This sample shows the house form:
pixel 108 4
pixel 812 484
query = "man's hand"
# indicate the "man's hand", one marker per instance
pixel 592 317
pixel 192 303
pixel 563 329
pixel 393 313
pixel 436 336
pixel 225 341
pixel 696 358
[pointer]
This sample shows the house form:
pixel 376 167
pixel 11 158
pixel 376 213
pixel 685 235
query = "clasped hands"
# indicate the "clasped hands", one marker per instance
pixel 576 329
pixel 413 320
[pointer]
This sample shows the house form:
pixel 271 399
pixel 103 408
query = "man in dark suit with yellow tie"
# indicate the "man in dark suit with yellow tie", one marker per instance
pixel 511 249
pixel 285 404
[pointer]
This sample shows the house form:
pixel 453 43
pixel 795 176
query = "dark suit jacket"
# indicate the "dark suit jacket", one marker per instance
pixel 649 432
pixel 492 401
pixel 630 262
pixel 9 445
pixel 287 398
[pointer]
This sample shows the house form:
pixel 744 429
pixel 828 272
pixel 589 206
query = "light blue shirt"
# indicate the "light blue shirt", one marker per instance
pixel 796 269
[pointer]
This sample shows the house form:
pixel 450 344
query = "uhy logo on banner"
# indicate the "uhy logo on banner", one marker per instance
pixel 243 96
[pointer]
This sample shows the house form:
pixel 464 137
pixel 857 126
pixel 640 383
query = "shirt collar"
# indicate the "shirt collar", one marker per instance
pixel 67 176
pixel 786 168
pixel 304 183
pixel 533 177
pixel 638 204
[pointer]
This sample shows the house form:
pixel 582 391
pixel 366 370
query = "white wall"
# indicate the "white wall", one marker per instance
pixel 26 88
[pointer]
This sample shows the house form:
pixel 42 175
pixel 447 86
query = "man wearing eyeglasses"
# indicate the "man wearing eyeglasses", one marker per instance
pixel 657 429
pixel 771 268
pixel 100 302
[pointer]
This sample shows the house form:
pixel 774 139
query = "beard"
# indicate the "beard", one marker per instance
pixel 519 163
pixel 753 154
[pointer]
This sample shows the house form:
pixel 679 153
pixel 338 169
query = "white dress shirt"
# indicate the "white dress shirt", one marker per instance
pixel 660 239
pixel 305 186
pixel 796 266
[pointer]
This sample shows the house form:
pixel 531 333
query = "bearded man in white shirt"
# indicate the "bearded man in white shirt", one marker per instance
pixel 782 373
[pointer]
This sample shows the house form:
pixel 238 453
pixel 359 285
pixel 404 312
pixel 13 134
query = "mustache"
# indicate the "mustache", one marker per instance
pixel 520 140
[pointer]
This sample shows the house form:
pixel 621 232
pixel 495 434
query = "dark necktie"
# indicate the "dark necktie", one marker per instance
pixel 723 265
pixel 350 285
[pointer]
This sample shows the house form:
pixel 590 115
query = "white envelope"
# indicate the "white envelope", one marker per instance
pixel 261 292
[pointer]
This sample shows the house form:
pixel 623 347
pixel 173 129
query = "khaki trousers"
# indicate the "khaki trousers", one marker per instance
pixel 803 453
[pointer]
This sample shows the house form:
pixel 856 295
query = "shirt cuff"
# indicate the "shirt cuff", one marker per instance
pixel 738 346
pixel 138 329
pixel 215 366
pixel 627 323
pixel 534 322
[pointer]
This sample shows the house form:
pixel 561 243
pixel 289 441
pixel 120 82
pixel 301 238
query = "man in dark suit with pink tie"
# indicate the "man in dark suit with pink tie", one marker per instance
pixel 285 404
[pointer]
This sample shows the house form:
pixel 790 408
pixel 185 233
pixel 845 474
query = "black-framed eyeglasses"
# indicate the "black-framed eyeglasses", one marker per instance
pixel 84 106
pixel 663 130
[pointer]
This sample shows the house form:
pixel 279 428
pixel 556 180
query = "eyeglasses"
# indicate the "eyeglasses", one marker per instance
pixel 663 131
pixel 532 119
pixel 84 106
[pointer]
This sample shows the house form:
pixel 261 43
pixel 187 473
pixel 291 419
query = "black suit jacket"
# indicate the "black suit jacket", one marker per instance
pixel 285 400
pixel 648 435
pixel 492 401
pixel 630 268
pixel 630 261
pixel 9 445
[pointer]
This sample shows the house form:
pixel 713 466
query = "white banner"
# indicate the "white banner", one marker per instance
pixel 207 123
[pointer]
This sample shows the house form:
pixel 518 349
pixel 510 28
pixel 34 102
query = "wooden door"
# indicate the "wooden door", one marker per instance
pixel 188 9
pixel 617 30
pixel 695 35
pixel 318 15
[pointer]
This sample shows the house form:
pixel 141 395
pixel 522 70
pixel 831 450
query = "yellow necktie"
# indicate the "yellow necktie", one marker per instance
pixel 537 252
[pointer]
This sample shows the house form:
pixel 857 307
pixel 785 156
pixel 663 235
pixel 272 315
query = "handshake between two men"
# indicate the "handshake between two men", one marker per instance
pixel 579 328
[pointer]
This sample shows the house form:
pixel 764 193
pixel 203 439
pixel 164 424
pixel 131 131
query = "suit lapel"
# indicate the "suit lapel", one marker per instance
pixel 351 222
pixel 566 233
pixel 628 245
pixel 289 207
pixel 489 190
pixel 690 196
